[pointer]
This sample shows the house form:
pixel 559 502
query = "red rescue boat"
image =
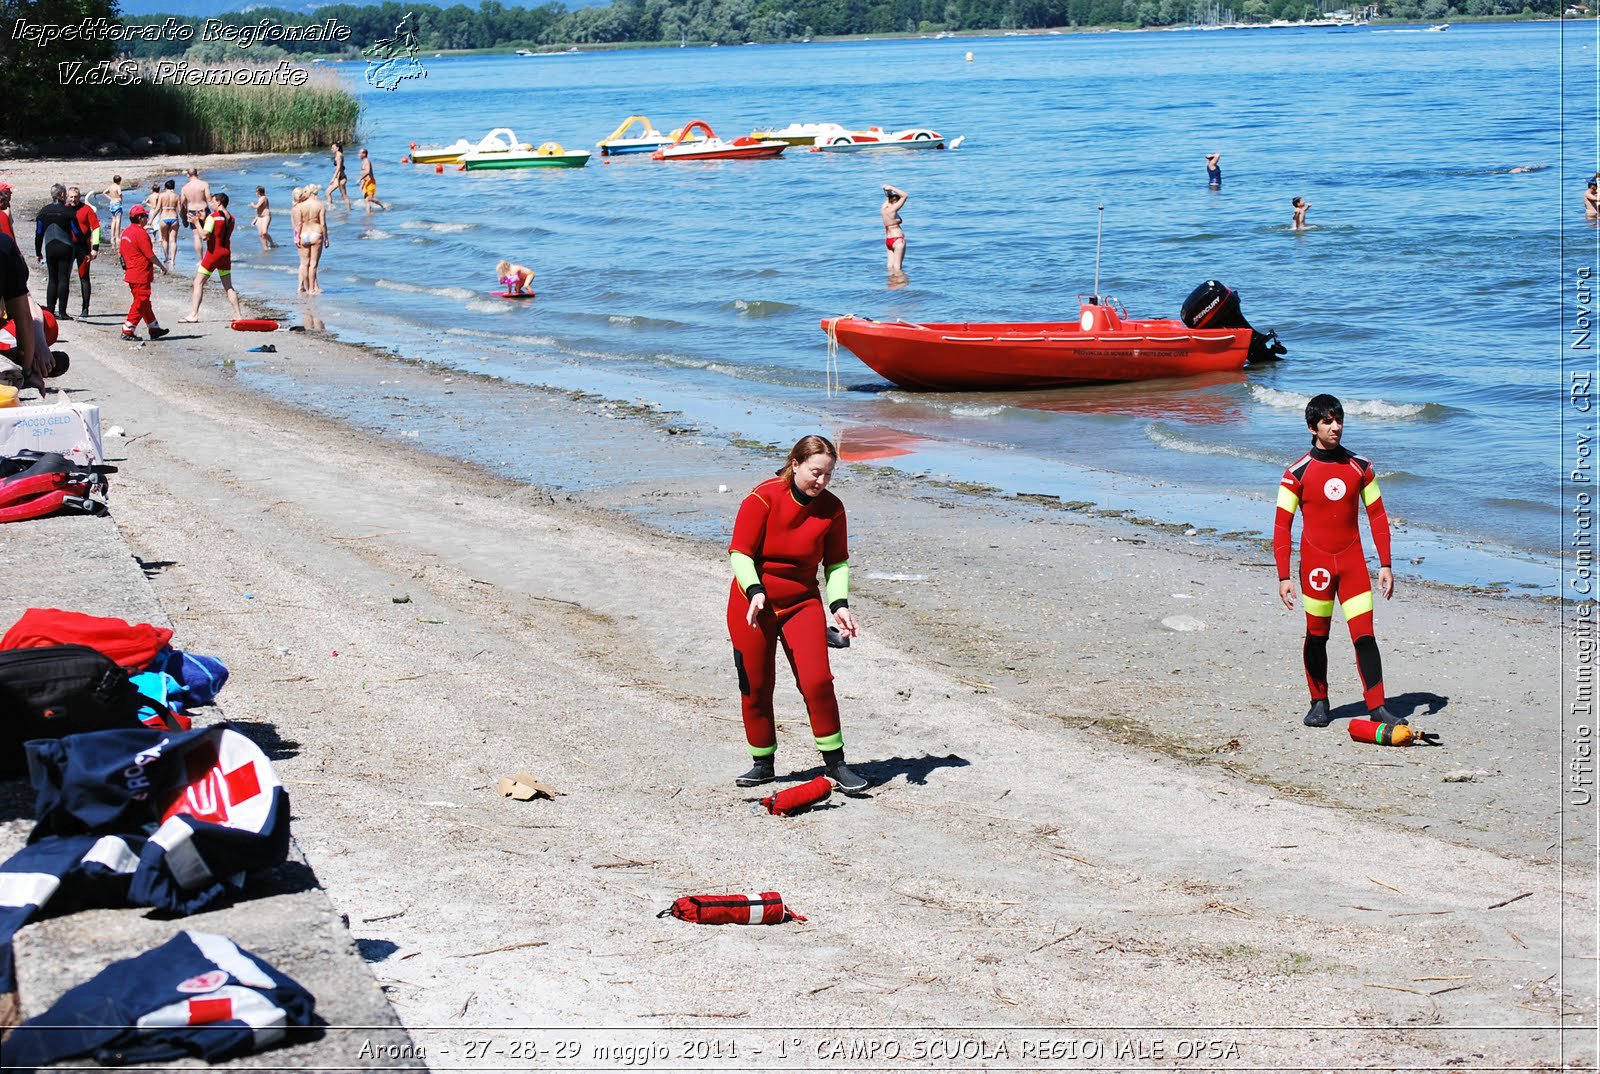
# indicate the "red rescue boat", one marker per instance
pixel 1104 345
pixel 710 147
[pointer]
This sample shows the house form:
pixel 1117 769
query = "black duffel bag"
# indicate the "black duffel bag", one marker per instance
pixel 59 690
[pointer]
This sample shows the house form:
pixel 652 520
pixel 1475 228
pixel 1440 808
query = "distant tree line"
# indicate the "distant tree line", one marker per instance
pixel 493 24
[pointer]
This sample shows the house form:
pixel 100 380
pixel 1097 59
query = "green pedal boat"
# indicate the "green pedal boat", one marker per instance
pixel 548 155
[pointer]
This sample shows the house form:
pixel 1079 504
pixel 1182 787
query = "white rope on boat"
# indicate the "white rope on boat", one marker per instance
pixel 831 373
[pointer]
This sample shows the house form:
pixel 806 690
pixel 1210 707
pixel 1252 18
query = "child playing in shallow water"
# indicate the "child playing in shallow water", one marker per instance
pixel 516 279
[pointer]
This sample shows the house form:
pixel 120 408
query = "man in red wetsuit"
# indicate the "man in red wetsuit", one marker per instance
pixel 1326 482
pixel 218 233
pixel 139 264
pixel 87 246
pixel 786 528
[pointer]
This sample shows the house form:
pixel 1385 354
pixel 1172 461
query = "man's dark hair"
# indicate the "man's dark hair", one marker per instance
pixel 222 198
pixel 1323 406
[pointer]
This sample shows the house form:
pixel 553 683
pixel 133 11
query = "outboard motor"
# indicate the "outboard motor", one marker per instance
pixel 1215 305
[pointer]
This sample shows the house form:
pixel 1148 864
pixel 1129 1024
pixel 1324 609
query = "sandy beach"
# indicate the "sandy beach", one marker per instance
pixel 1094 819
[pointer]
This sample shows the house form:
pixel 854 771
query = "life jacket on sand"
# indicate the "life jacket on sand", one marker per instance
pixel 765 909
pixel 34 484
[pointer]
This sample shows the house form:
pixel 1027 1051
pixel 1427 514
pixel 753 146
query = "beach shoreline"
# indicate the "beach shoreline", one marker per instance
pixel 1089 771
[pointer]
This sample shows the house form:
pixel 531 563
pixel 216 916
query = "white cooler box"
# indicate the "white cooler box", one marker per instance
pixel 70 429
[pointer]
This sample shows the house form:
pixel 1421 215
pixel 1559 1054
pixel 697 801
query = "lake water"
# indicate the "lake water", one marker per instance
pixel 1427 296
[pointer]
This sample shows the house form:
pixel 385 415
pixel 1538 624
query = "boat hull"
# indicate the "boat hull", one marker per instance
pixel 1007 357
pixel 624 149
pixel 856 146
pixel 561 160
pixel 439 156
pixel 725 152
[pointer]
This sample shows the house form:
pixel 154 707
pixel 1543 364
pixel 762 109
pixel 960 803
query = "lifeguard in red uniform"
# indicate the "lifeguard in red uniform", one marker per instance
pixel 1326 484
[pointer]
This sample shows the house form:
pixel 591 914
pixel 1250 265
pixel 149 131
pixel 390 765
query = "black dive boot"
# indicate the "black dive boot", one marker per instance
pixel 1319 716
pixel 1383 715
pixel 834 766
pixel 760 772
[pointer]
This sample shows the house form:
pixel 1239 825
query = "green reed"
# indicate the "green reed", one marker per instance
pixel 244 118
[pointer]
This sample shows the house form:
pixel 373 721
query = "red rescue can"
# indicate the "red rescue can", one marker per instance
pixel 1381 733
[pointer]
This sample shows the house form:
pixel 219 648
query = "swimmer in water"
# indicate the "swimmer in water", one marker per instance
pixel 1300 207
pixel 516 279
pixel 1214 170
pixel 1591 201
pixel 263 219
pixel 894 235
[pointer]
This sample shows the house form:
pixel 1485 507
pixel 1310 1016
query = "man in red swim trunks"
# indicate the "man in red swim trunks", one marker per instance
pixel 218 258
pixel 1325 482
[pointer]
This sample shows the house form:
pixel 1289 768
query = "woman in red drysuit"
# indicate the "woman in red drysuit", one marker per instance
pixel 787 527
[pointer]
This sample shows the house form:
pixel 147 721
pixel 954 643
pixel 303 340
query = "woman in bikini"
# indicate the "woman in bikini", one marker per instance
pixel 310 218
pixel 894 236
pixel 263 219
pixel 168 214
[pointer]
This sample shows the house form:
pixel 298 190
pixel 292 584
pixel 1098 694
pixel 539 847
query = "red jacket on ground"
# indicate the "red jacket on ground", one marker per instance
pixel 131 645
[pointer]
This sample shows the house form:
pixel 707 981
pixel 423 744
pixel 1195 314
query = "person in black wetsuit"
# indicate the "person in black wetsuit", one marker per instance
pixel 55 242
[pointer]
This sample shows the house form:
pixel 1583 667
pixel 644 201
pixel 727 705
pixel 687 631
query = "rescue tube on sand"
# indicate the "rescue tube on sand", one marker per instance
pixel 252 324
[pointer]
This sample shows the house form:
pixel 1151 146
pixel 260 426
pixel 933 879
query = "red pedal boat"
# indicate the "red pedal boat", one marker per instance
pixel 1103 345
pixel 685 146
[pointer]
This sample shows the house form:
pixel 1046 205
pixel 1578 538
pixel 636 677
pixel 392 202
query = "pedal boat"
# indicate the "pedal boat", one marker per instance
pixel 647 141
pixel 1104 345
pixel 799 134
pixel 872 138
pixel 548 155
pixel 501 138
pixel 710 147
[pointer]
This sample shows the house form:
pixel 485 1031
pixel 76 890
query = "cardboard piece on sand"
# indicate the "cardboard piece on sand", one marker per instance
pixel 524 787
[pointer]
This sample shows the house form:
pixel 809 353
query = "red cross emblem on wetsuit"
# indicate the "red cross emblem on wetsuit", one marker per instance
pixel 1334 489
pixel 1319 579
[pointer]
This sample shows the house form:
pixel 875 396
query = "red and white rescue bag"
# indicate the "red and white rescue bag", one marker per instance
pixel 795 799
pixel 765 909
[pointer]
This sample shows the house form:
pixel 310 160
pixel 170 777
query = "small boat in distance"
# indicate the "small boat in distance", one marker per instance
pixel 648 140
pixel 873 138
pixel 710 147
pixel 799 134
pixel 1440 28
pixel 501 139
pixel 548 155
pixel 1104 345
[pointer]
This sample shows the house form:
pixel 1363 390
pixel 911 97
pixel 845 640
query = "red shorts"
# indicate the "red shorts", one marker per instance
pixel 219 261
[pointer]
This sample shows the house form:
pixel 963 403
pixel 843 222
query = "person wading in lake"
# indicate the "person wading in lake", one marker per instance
pixel 309 218
pixel 1300 206
pixel 263 219
pixel 218 233
pixel 894 236
pixel 369 184
pixel 168 211
pixel 787 527
pixel 1327 482
pixel 1214 170
pixel 113 196
pixel 196 200
pixel 337 184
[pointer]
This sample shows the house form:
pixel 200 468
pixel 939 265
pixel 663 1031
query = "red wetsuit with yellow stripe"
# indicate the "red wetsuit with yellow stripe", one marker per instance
pixel 1328 487
pixel 788 535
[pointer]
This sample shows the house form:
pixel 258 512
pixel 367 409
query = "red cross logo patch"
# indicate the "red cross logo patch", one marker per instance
pixel 1319 579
